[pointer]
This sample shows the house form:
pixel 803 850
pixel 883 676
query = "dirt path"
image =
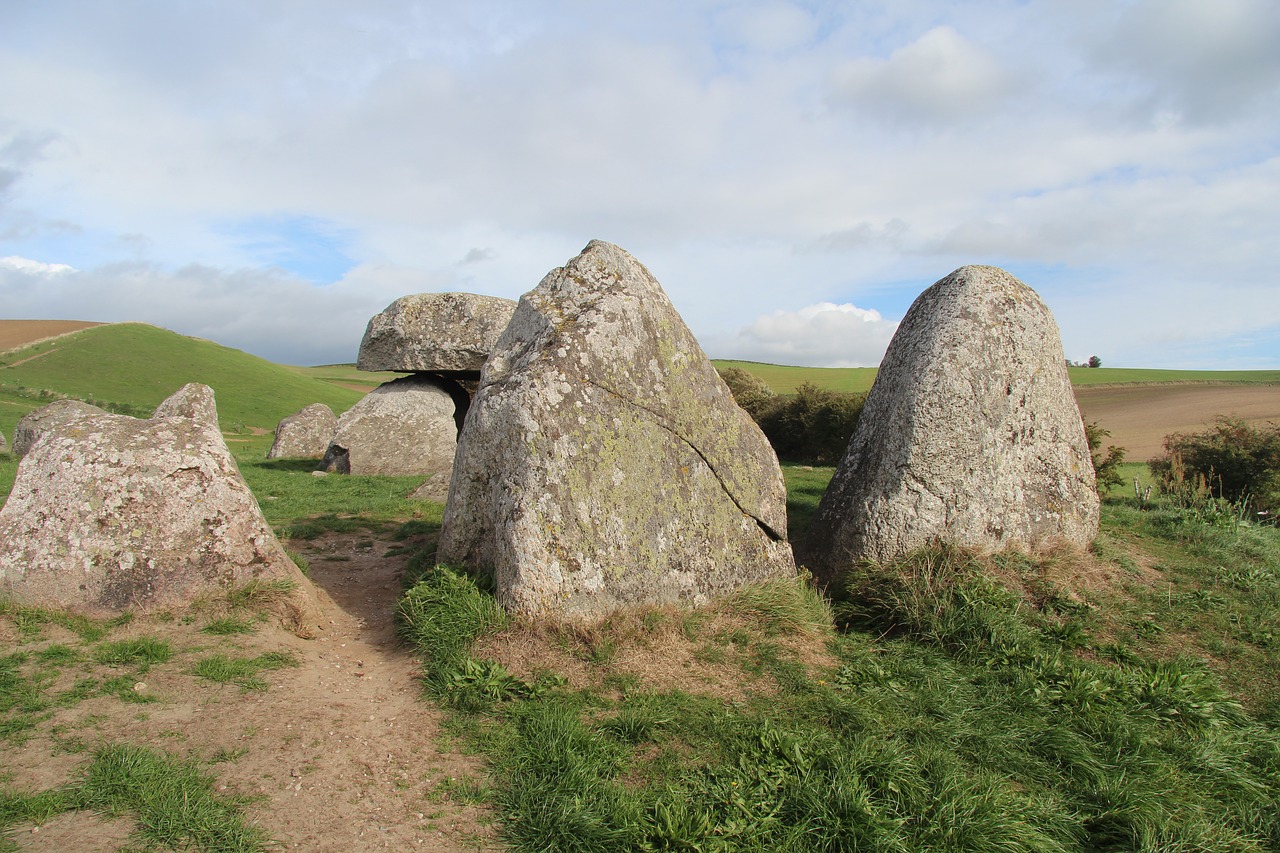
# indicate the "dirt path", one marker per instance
pixel 341 751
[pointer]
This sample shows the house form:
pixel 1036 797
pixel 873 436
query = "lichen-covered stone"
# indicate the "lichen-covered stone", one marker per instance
pixel 192 401
pixel 35 424
pixel 111 513
pixel 401 428
pixel 604 462
pixel 305 434
pixel 970 435
pixel 434 332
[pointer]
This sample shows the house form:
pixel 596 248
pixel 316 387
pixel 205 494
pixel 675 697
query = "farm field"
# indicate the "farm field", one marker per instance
pixel 1138 407
pixel 1119 699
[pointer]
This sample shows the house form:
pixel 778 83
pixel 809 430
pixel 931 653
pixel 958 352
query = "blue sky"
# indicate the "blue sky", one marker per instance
pixel 270 174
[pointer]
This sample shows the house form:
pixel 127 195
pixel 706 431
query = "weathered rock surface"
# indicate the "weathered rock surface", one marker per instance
pixel 401 428
pixel 2 441
pixel 305 434
pixel 111 513
pixel 192 401
pixel 970 435
pixel 434 332
pixel 604 462
pixel 37 423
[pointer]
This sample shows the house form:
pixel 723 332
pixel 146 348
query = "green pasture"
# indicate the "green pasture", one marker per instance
pixel 850 380
pixel 136 366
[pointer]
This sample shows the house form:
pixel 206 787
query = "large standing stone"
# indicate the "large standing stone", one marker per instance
pixel 434 332
pixel 37 423
pixel 111 513
pixel 970 435
pixel 305 434
pixel 604 462
pixel 401 428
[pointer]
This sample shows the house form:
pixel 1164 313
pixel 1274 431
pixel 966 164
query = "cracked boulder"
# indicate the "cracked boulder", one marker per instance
pixel 971 434
pixel 406 427
pixel 604 462
pixel 451 333
pixel 305 434
pixel 110 513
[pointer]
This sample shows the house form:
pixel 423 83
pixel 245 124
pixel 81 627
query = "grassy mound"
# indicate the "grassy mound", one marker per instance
pixel 132 367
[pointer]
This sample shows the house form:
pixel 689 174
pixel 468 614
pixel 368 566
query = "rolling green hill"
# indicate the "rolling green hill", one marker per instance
pixel 136 366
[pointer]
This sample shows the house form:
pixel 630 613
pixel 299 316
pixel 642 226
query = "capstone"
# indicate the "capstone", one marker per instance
pixel 604 462
pixel 434 332
pixel 970 435
pixel 306 434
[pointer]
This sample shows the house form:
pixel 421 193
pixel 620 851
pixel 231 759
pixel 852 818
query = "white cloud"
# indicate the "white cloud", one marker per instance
pixel 940 77
pixel 822 335
pixel 34 268
pixel 752 153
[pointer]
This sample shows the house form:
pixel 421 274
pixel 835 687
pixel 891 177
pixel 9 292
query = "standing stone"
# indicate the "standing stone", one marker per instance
pixel 970 435
pixel 604 462
pixel 434 332
pixel 401 428
pixel 305 434
pixel 192 401
pixel 37 423
pixel 111 513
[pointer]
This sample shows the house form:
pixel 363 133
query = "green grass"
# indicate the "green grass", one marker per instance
pixel 171 800
pixel 784 380
pixel 223 669
pixel 968 703
pixel 289 494
pixel 137 366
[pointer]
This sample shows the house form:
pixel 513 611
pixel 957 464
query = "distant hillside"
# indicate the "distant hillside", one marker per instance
pixel 134 365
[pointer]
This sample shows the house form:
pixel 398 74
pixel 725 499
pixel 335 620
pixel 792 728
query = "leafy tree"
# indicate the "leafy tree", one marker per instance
pixel 1106 467
pixel 814 426
pixel 1094 361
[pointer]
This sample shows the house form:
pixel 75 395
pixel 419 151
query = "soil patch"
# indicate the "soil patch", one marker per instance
pixel 21 333
pixel 340 752
pixel 1140 416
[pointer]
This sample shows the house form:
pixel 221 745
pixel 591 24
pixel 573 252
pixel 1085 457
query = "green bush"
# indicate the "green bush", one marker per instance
pixel 814 426
pixel 1106 467
pixel 1232 460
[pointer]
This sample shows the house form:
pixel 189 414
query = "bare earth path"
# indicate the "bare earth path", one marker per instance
pixel 341 751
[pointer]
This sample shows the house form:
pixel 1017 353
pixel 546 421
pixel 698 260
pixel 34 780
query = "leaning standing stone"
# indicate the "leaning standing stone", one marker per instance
pixel 305 434
pixel 604 462
pixel 971 434
pixel 404 427
pixel 434 332
pixel 111 513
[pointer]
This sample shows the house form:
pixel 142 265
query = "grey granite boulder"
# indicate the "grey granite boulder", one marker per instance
pixel 192 401
pixel 604 462
pixel 434 332
pixel 970 435
pixel 404 427
pixel 35 424
pixel 306 434
pixel 111 513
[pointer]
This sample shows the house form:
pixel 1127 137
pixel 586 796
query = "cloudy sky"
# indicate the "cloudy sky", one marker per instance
pixel 271 173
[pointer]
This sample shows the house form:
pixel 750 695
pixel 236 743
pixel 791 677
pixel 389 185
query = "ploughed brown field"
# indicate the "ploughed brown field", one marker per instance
pixel 19 333
pixel 1140 416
